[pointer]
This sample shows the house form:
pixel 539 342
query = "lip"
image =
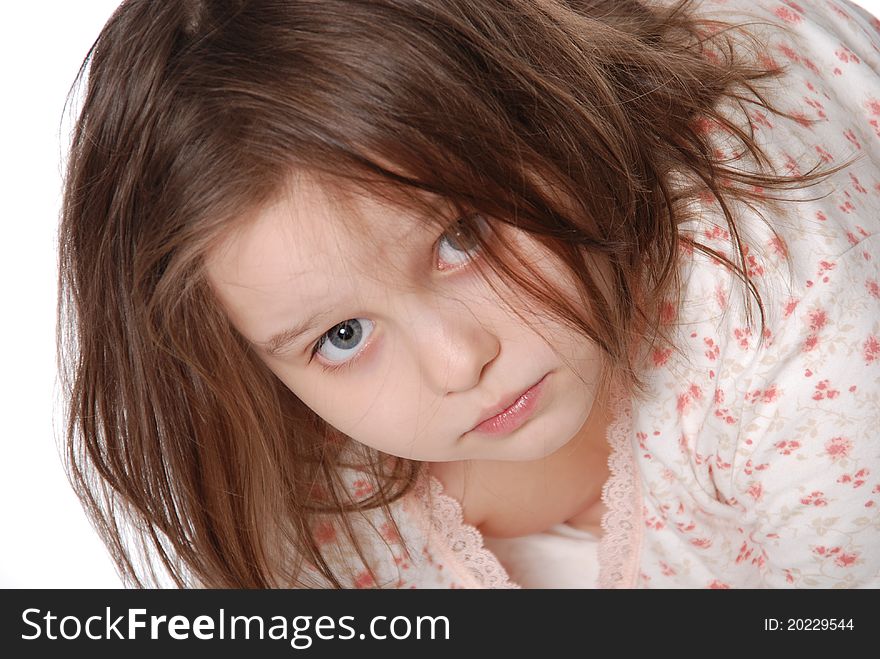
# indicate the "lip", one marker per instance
pixel 511 414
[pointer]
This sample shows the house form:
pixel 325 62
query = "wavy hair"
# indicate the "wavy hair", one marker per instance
pixel 566 119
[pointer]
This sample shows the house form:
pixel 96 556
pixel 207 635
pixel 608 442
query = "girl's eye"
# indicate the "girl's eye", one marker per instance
pixel 342 342
pixel 459 242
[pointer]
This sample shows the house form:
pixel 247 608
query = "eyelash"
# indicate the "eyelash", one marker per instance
pixel 341 366
pixel 326 367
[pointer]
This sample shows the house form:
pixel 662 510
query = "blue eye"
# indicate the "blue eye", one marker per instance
pixel 459 242
pixel 343 341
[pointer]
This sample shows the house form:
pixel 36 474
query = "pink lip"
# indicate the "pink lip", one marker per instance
pixel 514 414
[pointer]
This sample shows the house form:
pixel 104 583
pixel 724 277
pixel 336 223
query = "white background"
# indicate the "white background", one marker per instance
pixel 45 540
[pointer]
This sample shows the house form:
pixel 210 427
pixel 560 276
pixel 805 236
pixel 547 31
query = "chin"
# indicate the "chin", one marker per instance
pixel 535 440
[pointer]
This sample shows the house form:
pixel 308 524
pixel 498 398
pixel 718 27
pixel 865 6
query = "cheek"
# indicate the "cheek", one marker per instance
pixel 370 412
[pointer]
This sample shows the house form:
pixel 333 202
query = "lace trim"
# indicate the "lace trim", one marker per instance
pixel 463 540
pixel 619 546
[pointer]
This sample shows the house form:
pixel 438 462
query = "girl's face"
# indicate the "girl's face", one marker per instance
pixel 412 349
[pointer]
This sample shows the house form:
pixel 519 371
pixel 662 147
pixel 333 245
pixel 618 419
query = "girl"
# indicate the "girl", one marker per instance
pixel 348 287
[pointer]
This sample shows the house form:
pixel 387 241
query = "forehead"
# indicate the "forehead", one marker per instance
pixel 303 249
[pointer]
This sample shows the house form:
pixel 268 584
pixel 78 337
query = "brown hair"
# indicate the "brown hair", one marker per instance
pixel 563 118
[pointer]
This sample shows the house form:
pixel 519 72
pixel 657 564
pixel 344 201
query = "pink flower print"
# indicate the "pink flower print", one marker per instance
pixel 794 6
pixel 706 196
pixel 718 585
pixel 823 390
pixel 789 53
pixel 703 126
pixel 660 355
pixel 685 527
pixel 816 498
pixel 767 61
pixel 770 394
pixel 838 10
pixel 823 154
pixel 844 54
pixel 724 414
pixel 803 120
pixel 825 266
pixel 702 543
pixel 654 523
pixel 364 580
pixel 720 464
pixel 712 350
pixel 838 448
pixel 857 479
pixel 873 288
pixel 324 533
pixel 873 106
pixel 819 317
pixel 362 488
pixel 755 268
pixel 787 15
pixel 756 490
pixel 742 336
pixel 717 233
pixel 760 119
pixel 852 238
pixel 791 165
pixel 851 136
pixel 847 207
pixel 820 109
pixel 721 297
pixel 666 569
pixel 777 246
pixel 807 62
pixel 684 399
pixel 402 563
pixel 787 447
pixel 856 183
pixel 810 343
pixel 790 306
pixel 846 560
pixel 871 349
pixel 744 552
pixel 390 533
pixel 750 467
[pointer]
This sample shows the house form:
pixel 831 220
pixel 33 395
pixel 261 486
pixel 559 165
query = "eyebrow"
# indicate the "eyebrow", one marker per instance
pixel 278 342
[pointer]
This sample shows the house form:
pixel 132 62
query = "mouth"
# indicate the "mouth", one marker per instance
pixel 514 414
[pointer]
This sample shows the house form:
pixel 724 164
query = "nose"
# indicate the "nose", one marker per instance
pixel 453 345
